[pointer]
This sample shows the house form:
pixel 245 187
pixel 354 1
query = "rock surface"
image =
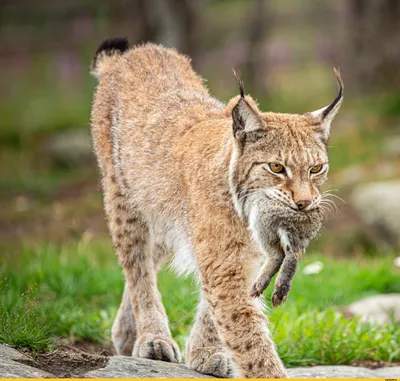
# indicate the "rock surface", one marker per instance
pixel 378 309
pixel 340 371
pixel 128 367
pixel 391 146
pixel 10 367
pixel 378 207
pixel 391 372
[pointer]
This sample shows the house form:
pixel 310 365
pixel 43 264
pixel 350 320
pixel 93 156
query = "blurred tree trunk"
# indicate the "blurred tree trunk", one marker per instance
pixel 374 35
pixel 255 68
pixel 190 21
pixel 173 23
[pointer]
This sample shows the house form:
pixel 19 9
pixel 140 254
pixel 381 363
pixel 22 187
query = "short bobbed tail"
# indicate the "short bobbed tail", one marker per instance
pixel 108 49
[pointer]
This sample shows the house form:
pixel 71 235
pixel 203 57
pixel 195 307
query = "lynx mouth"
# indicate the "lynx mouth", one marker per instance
pixel 304 211
pixel 278 206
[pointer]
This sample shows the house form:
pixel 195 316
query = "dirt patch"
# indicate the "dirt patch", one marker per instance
pixel 69 361
pixel 370 364
pixel 95 348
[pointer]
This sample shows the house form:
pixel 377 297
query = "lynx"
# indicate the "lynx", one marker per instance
pixel 183 173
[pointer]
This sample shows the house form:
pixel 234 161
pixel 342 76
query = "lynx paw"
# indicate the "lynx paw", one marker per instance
pixel 210 360
pixel 154 347
pixel 280 294
pixel 258 287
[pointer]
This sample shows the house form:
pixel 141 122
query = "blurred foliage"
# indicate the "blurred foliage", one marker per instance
pixel 389 105
pixel 44 72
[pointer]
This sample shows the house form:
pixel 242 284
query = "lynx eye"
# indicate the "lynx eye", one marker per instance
pixel 316 168
pixel 276 168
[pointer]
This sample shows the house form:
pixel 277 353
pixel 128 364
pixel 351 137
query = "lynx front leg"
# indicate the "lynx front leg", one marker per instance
pixel 240 324
pixel 204 350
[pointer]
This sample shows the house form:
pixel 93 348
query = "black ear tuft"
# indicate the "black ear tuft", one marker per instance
pixel 339 96
pixel 111 46
pixel 239 81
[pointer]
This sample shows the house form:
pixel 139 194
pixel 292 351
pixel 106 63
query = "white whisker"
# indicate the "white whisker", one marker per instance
pixel 333 195
pixel 332 206
pixel 327 206
pixel 330 190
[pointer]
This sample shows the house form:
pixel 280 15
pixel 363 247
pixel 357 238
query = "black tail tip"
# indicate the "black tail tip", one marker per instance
pixel 110 46
pixel 119 44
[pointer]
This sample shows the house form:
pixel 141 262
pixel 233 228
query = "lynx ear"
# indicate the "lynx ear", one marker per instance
pixel 325 115
pixel 246 118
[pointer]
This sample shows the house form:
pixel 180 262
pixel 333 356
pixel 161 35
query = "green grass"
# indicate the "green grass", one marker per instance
pixel 327 338
pixel 74 291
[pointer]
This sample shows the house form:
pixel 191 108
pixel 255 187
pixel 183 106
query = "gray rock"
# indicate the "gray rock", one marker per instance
pixel 377 205
pixel 11 368
pixel 332 371
pixel 390 372
pixel 391 146
pixel 9 353
pixel 129 367
pixel 69 147
pixel 378 309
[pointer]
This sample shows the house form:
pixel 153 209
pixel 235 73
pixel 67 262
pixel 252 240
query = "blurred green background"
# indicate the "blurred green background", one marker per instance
pixel 286 50
pixel 51 214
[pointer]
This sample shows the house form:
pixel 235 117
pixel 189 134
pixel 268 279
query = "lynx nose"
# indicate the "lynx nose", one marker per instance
pixel 302 204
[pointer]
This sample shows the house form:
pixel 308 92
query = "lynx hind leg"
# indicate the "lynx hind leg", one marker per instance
pixel 131 240
pixel 155 342
pixel 267 272
pixel 287 272
pixel 123 331
pixel 204 349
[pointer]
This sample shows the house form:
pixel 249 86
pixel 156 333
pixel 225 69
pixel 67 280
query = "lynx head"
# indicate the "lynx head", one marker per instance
pixel 279 157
